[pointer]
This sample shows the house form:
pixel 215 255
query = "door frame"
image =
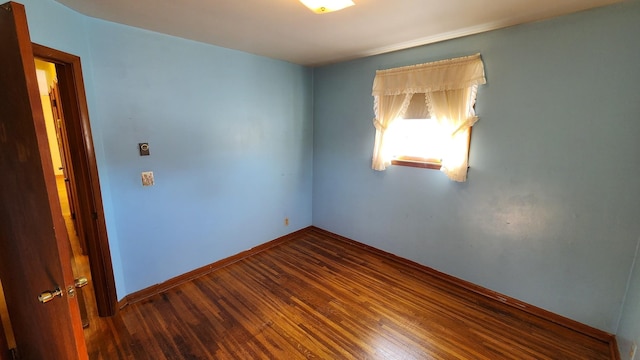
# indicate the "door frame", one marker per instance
pixel 85 172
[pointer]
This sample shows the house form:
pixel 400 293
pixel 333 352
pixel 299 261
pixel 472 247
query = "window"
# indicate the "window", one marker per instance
pixel 416 142
pixel 424 115
pixel 416 139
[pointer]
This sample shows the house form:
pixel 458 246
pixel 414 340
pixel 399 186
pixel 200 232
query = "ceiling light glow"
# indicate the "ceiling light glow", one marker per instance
pixel 325 6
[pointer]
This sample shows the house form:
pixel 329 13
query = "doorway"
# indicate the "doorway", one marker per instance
pixel 80 175
pixel 65 182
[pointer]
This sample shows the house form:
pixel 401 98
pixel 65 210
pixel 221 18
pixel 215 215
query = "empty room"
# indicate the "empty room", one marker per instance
pixel 291 179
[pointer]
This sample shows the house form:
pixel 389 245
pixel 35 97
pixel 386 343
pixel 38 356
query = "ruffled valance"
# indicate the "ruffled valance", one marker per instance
pixel 450 74
pixel 448 89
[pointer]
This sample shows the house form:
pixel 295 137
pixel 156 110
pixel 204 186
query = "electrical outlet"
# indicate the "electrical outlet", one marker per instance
pixel 147 178
pixel 632 352
pixel 286 221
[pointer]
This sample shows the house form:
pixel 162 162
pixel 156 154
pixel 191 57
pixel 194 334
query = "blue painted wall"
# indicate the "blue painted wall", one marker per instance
pixel 549 214
pixel 230 136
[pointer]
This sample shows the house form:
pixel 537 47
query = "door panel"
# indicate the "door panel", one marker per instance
pixel 34 253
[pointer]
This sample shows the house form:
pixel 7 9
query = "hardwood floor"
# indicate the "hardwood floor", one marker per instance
pixel 316 296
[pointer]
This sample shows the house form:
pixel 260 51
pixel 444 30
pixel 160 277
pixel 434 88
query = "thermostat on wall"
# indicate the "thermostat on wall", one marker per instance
pixel 144 149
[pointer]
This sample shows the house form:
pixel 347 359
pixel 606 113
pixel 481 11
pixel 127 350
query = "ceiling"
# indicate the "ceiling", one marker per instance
pixel 287 30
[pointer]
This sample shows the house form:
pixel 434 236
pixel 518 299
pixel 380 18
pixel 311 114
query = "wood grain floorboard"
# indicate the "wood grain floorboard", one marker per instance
pixel 317 297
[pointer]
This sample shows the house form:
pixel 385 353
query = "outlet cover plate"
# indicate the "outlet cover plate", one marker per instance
pixel 147 178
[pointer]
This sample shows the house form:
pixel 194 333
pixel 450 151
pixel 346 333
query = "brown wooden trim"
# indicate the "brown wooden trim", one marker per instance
pixel 181 279
pixel 469 144
pixel 416 164
pixel 91 212
pixel 613 347
pixel 533 310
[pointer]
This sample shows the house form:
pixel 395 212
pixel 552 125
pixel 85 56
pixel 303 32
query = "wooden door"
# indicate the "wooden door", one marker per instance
pixel 34 250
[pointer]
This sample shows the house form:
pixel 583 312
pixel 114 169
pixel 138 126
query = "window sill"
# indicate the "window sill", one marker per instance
pixel 417 163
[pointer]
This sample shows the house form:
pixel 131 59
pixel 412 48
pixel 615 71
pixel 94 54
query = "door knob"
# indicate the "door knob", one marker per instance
pixel 80 282
pixel 77 283
pixel 47 296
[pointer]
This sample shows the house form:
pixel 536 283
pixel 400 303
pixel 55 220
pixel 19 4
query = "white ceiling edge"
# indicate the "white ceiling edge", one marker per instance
pixel 314 41
pixel 456 34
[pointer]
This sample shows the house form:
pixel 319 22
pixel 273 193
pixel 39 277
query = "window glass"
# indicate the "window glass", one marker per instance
pixel 416 140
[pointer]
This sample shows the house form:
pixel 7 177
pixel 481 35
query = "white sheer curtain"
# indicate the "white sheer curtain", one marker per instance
pixel 387 108
pixel 450 87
